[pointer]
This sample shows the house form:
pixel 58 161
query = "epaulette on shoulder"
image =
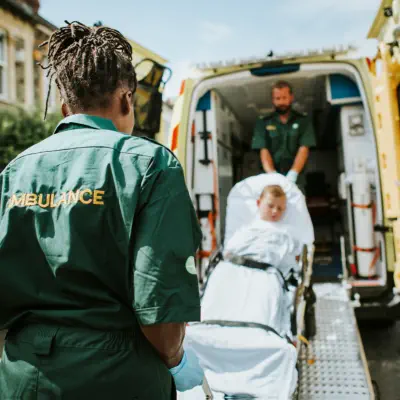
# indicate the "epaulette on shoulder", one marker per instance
pixel 159 144
pixel 301 113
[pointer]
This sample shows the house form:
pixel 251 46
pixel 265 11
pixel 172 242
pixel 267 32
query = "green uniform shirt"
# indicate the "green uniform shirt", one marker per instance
pixel 283 140
pixel 97 231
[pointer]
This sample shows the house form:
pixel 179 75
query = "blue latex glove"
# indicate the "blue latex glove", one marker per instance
pixel 188 374
pixel 292 175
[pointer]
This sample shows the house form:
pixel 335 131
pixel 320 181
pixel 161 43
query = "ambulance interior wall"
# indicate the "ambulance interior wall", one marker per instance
pixel 356 148
pixel 229 133
pixel 236 161
pixel 328 213
pixel 335 154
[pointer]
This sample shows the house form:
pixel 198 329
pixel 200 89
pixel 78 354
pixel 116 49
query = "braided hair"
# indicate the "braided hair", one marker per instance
pixel 88 64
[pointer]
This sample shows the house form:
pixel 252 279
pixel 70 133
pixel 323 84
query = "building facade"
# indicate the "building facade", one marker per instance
pixel 22 83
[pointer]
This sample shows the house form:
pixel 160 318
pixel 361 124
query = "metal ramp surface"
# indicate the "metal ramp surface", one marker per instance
pixel 334 366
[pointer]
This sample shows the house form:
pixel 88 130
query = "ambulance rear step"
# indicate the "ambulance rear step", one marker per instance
pixel 334 365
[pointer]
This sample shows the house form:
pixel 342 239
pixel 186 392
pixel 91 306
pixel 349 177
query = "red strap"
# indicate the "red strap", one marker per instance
pixel 363 206
pixel 371 250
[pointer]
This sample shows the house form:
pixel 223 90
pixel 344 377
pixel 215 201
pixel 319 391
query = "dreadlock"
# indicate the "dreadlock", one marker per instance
pixel 88 64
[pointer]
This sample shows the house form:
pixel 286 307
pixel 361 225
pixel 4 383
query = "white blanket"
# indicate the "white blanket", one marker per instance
pixel 267 242
pixel 237 293
pixel 243 361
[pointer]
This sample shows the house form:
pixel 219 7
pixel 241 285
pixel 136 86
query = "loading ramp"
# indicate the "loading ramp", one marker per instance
pixel 334 366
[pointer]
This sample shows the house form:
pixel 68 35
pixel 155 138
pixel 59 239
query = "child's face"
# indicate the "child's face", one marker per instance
pixel 271 208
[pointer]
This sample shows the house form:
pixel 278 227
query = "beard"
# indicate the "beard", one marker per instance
pixel 281 110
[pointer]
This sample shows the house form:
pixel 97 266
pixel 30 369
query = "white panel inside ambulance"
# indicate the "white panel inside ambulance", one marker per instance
pixel 342 182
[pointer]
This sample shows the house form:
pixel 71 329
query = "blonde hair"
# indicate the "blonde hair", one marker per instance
pixel 274 190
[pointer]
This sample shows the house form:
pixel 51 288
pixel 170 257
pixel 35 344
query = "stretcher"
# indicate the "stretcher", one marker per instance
pixel 252 318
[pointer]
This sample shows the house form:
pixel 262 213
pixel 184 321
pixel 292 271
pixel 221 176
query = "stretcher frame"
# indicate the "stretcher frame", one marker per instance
pixel 301 302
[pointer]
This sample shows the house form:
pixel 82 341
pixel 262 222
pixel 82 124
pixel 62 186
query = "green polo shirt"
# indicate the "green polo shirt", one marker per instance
pixel 97 230
pixel 283 140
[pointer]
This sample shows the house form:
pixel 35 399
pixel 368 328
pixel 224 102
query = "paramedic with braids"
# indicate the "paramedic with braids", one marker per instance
pixel 95 291
pixel 284 136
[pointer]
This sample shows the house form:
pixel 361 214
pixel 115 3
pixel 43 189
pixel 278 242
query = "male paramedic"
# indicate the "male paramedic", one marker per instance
pixel 284 137
pixel 97 242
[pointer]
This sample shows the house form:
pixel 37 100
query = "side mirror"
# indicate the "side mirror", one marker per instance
pixel 148 97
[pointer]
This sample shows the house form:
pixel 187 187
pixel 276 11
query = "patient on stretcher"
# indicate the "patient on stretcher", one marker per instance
pixel 246 292
pixel 265 240
pixel 258 259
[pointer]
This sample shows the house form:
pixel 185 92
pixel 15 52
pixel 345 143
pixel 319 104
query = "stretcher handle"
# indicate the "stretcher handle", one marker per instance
pixel 206 389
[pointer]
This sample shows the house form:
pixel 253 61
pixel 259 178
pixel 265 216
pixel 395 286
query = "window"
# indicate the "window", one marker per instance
pixel 3 64
pixel 20 70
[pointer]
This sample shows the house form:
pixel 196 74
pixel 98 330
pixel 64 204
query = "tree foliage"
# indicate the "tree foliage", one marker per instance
pixel 20 130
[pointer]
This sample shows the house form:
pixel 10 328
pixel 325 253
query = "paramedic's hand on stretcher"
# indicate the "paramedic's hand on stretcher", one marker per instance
pixel 292 175
pixel 188 374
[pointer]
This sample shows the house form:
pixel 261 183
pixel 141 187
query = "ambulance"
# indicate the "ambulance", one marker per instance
pixel 352 176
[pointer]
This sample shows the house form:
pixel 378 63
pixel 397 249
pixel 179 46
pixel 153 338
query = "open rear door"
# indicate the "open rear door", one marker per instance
pixel 177 137
pixel 148 97
pixel 199 162
pixel 385 74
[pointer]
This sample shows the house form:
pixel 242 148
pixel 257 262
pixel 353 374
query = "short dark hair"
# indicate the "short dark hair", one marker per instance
pixel 89 64
pixel 282 85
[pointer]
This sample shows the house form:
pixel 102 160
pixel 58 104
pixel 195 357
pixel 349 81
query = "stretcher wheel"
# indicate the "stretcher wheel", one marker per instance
pixel 377 392
pixel 310 321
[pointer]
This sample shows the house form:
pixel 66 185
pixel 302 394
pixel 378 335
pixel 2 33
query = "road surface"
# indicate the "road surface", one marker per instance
pixel 382 348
